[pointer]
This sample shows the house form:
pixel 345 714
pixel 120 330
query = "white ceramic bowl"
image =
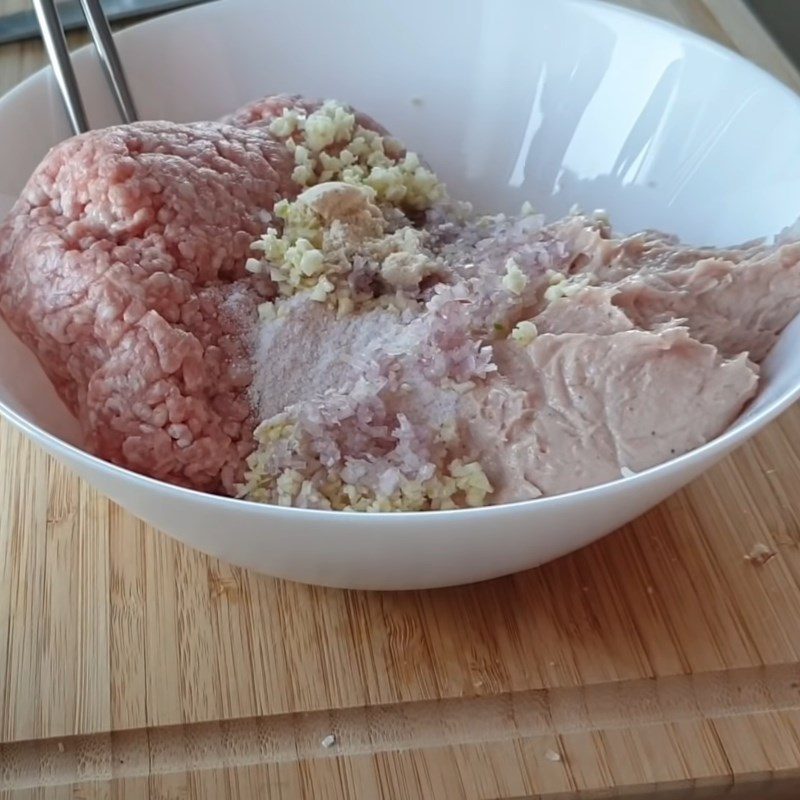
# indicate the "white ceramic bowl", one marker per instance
pixel 558 102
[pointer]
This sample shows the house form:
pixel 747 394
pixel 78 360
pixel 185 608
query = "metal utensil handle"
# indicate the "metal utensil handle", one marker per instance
pixel 56 46
pixel 109 58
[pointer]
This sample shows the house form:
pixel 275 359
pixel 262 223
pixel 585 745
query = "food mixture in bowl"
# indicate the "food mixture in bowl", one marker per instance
pixel 286 306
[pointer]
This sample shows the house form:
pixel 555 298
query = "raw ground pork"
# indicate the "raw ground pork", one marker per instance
pixel 120 267
pixel 499 359
pixel 113 266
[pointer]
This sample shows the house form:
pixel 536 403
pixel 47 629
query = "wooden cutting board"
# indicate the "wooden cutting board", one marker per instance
pixel 661 662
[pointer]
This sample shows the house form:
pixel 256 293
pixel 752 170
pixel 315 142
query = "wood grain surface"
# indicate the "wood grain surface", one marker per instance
pixel 661 662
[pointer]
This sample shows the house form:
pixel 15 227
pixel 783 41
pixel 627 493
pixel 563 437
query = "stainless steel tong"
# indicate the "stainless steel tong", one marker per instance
pixel 56 45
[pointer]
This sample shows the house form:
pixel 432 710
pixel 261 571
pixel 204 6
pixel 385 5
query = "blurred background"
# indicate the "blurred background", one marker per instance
pixel 17 22
pixel 782 19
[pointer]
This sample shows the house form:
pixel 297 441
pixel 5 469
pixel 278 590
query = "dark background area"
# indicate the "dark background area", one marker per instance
pixel 782 19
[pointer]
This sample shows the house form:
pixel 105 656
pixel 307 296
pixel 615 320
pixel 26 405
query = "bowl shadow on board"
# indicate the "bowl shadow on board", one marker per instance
pixel 536 621
pixel 616 610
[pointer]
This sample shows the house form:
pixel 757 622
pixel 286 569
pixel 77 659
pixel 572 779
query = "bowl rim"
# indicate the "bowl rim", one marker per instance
pixel 735 434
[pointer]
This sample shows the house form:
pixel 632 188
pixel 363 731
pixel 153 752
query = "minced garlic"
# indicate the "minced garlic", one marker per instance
pixel 267 312
pixel 295 258
pixel 555 291
pixel 358 156
pixel 471 479
pixel 460 483
pixel 288 485
pixel 554 277
pixel 321 291
pixel 405 270
pixel 330 123
pixel 278 427
pixel 324 230
pixel 357 182
pixel 566 287
pixel 524 332
pixel 304 175
pixel 514 279
pixel 285 125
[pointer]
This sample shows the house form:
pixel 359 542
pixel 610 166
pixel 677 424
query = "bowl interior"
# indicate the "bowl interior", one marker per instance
pixel 557 103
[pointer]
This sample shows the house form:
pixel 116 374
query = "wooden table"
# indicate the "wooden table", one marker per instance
pixel 658 662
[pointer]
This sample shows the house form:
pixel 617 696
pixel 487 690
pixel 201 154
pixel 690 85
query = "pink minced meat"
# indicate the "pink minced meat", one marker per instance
pixel 575 409
pixel 609 385
pixel 580 405
pixel 738 299
pixel 122 266
pixel 116 265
